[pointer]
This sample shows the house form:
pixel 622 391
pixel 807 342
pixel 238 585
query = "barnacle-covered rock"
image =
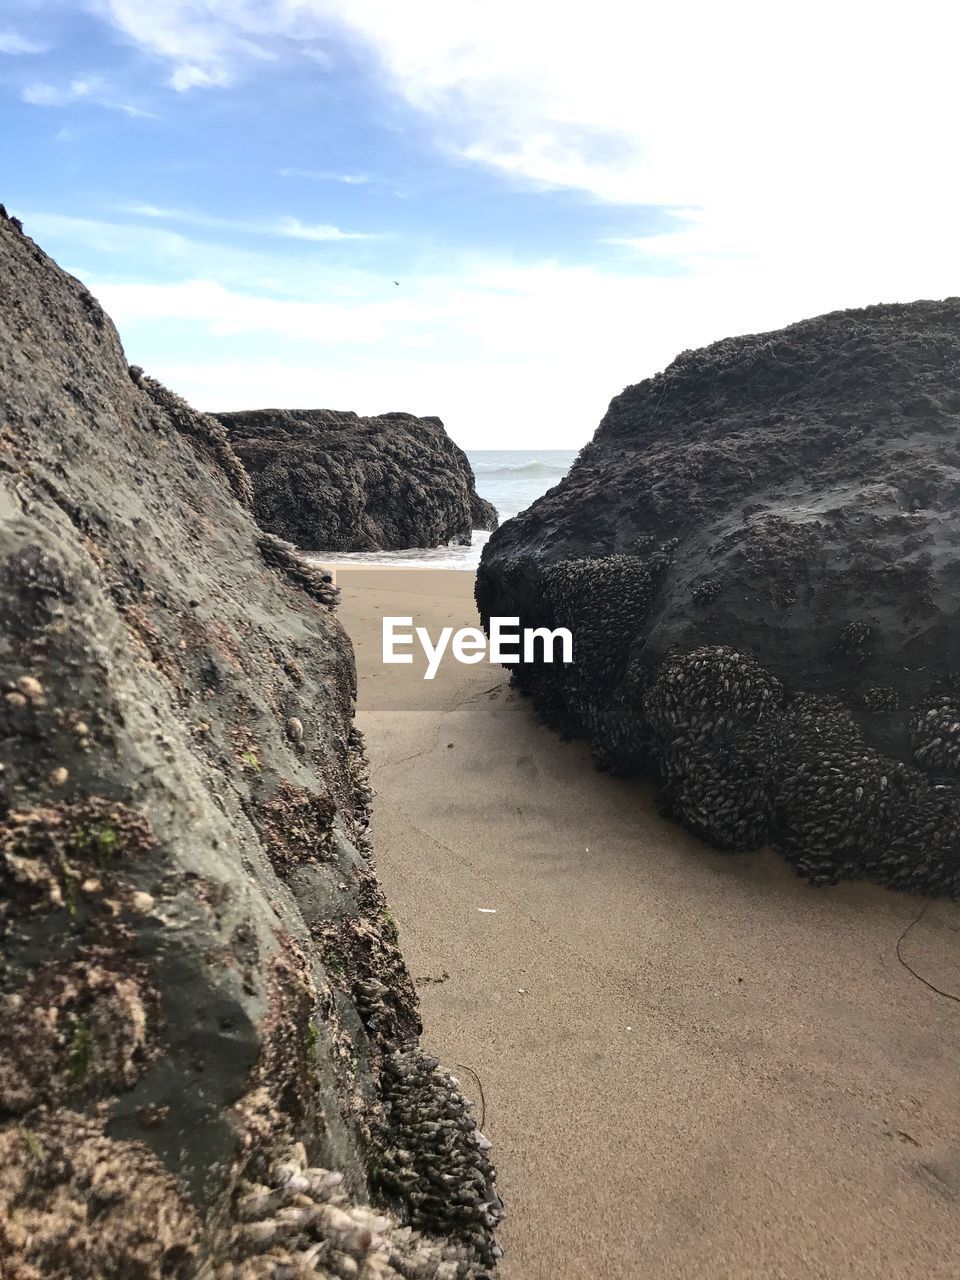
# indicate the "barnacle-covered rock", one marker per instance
pixel 330 481
pixel 312 578
pixel 712 714
pixel 434 1160
pixel 935 735
pixel 299 1222
pixel 184 845
pixel 789 665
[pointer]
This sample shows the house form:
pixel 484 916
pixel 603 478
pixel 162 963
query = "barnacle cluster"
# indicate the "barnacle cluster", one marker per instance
pixel 434 1161
pixel 603 601
pixel 710 714
pixel 301 1223
pixel 203 428
pixel 309 576
pixel 935 735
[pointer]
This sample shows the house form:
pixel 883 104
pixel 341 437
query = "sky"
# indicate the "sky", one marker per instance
pixel 499 212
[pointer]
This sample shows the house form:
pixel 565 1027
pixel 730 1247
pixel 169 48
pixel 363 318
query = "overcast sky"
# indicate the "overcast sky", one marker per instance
pixel 567 194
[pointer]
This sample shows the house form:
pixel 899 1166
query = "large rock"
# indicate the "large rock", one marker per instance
pixel 331 481
pixel 208 1037
pixel 759 557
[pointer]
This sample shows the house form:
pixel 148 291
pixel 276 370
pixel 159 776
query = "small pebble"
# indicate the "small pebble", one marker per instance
pixel 59 776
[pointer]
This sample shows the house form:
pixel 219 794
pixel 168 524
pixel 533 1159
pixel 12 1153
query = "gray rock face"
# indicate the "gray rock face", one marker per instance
pixel 208 1037
pixel 759 557
pixel 330 481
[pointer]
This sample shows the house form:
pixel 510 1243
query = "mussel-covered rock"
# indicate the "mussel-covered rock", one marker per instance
pixel 330 481
pixel 208 1036
pixel 759 557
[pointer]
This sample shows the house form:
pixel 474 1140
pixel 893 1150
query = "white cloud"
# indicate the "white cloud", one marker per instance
pixel 135 243
pixel 188 76
pixel 502 351
pixel 785 127
pixel 319 175
pixel 11 42
pixel 287 227
pixel 92 89
pixel 298 230
pixel 208 41
pixel 47 95
pixel 807 152
pixel 196 41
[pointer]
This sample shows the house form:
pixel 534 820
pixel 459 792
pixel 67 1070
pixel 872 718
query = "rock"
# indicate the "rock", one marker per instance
pixel 330 481
pixel 483 514
pixel 199 983
pixel 759 557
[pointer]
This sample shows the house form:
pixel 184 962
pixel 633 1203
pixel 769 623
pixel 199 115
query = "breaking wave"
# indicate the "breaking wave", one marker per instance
pixel 534 468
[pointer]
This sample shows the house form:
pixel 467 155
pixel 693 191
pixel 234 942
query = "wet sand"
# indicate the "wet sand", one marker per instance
pixel 693 1065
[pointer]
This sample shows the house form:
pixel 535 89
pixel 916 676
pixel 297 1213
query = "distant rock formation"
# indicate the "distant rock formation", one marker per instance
pixel 330 481
pixel 759 557
pixel 209 1058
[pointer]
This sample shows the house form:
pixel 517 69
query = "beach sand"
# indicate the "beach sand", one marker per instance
pixel 692 1065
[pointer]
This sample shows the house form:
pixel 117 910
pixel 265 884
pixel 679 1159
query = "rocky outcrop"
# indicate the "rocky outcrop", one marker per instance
pixel 330 481
pixel 208 1038
pixel 483 514
pixel 759 557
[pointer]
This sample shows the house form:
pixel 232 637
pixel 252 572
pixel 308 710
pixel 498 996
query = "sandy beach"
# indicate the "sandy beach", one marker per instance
pixel 692 1065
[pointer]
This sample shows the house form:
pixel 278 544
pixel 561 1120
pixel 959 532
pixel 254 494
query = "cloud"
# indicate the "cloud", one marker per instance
pixel 66 234
pixel 501 350
pixel 196 41
pixel 298 230
pixel 287 227
pixel 315 175
pixel 188 76
pixel 801 127
pixel 11 42
pixel 208 43
pixel 806 154
pixel 92 89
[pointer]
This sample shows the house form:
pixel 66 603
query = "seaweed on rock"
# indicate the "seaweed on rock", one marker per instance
pixel 759 558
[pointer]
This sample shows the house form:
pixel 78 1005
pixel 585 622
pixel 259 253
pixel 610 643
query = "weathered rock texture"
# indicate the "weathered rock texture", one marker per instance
pixel 208 1038
pixel 332 481
pixel 759 557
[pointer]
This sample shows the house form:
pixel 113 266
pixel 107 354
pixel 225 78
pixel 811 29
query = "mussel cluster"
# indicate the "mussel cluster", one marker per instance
pixel 758 557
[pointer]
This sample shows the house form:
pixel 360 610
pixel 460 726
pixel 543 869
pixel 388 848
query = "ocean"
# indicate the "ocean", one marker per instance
pixel 509 478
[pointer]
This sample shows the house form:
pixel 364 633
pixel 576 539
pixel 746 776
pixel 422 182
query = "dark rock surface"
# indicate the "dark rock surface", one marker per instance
pixel 208 1037
pixel 759 557
pixel 330 481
